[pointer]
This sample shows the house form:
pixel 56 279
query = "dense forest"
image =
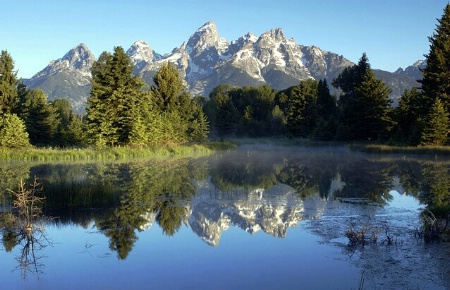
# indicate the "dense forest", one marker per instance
pixel 123 110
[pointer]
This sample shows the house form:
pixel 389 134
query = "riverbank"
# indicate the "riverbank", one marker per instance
pixel 409 150
pixel 109 153
pixel 127 152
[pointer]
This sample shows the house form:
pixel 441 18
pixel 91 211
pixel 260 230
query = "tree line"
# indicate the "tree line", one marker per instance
pixel 361 112
pixel 123 110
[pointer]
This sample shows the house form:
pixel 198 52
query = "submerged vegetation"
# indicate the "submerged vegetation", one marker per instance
pixel 25 226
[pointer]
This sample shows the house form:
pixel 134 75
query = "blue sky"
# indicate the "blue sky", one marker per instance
pixel 393 33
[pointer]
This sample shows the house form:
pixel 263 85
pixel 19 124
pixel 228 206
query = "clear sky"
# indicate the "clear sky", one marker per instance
pixel 393 33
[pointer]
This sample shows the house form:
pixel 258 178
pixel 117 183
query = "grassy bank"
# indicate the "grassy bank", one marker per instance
pixel 93 154
pixel 409 150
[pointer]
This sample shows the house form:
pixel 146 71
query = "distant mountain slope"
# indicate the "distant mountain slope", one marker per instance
pixel 67 78
pixel 207 60
pixel 413 71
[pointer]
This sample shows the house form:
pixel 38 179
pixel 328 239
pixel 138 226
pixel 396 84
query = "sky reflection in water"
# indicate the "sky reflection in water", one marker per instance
pixel 279 227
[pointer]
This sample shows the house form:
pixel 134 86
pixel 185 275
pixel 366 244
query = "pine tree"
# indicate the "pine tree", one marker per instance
pixel 326 104
pixel 436 75
pixel 436 127
pixel 365 104
pixel 198 127
pixel 326 124
pixel 75 133
pixel 8 80
pixel 41 118
pixel 183 118
pixel 64 110
pixel 115 99
pixel 302 111
pixel 278 121
pixel 13 132
pixel 226 114
pixel 168 87
pixel 409 125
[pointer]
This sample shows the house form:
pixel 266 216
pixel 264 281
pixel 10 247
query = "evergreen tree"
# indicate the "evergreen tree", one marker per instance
pixel 168 87
pixel 41 118
pixel 436 127
pixel 182 117
pixel 351 77
pixel 64 110
pixel 75 133
pixel 115 99
pixel 8 80
pixel 365 104
pixel 326 104
pixel 254 106
pixel 198 126
pixel 325 129
pixel 409 125
pixel 278 122
pixel 302 111
pixel 99 111
pixel 436 79
pixel 226 115
pixel 13 132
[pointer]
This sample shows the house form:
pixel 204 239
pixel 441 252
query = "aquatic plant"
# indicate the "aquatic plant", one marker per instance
pixel 363 234
pixel 28 204
pixel 27 228
pixel 434 228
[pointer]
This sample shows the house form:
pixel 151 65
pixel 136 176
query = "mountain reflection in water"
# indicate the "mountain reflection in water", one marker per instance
pixel 252 189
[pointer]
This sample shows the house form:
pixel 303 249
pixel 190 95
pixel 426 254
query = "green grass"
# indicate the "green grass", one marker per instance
pixel 409 150
pixel 106 154
pixel 125 152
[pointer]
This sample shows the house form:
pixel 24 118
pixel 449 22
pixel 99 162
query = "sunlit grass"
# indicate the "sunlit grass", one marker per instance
pixel 93 154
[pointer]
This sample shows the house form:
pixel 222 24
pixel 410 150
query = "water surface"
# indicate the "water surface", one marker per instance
pixel 254 218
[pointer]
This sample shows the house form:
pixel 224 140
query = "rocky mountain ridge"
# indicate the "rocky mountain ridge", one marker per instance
pixel 207 60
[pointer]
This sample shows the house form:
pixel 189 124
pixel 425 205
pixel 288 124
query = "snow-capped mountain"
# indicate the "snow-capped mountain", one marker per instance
pixel 207 60
pixel 141 53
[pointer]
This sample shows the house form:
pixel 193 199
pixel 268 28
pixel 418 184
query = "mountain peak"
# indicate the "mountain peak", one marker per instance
pixel 140 43
pixel 276 34
pixel 210 25
pixel 140 54
pixel 204 38
pixel 205 61
pixel 140 50
pixel 79 57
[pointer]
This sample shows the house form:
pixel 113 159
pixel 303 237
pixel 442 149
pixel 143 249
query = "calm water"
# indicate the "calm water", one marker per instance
pixel 254 218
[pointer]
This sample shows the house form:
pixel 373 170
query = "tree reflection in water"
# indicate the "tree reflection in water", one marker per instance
pixel 262 189
pixel 26 228
pixel 162 188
